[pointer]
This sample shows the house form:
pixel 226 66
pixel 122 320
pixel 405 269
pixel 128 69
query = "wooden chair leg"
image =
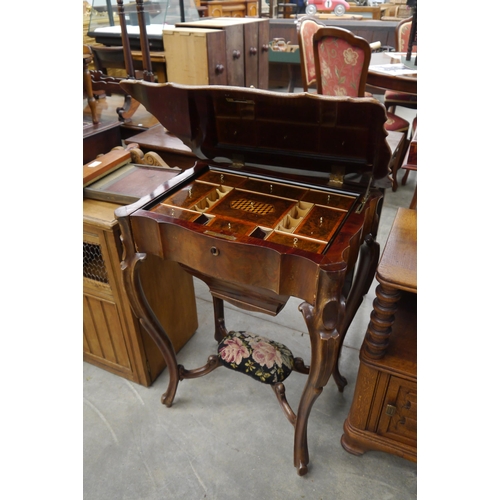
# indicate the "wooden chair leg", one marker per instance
pixel 405 177
pixel 129 107
pixel 413 204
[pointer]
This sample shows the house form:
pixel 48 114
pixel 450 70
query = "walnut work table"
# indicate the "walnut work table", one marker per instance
pixel 383 415
pixel 263 228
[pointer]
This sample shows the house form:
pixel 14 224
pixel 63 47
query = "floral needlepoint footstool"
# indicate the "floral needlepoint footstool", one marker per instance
pixel 262 359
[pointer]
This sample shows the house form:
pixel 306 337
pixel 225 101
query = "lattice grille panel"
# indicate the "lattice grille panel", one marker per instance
pixel 94 267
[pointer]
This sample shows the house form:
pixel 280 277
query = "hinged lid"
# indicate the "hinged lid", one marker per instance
pixel 303 132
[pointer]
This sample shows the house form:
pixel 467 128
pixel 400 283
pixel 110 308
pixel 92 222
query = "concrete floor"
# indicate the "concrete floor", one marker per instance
pixel 225 437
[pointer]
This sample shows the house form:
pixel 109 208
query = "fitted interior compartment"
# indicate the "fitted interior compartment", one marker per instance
pixel 294 217
pixel 233 206
pixel 261 232
pixel 212 198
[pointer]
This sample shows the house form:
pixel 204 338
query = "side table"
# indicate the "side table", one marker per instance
pixel 383 414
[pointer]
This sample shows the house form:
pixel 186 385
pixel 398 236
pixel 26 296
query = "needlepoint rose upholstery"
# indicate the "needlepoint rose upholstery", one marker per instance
pixel 264 360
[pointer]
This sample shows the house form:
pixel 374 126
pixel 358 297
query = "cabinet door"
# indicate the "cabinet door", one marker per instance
pixel 195 56
pixel 235 54
pixel 105 334
pixel 252 55
pixel 398 420
pixel 263 54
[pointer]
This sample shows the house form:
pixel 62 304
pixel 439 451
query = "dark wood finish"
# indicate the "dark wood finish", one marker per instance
pixel 410 163
pixel 100 138
pixel 87 85
pixel 398 142
pixel 406 83
pixel 106 58
pixel 171 149
pixel 246 49
pixel 370 30
pixel 158 63
pixel 225 245
pixel 125 42
pixel 383 415
pixel 146 61
pixel 98 168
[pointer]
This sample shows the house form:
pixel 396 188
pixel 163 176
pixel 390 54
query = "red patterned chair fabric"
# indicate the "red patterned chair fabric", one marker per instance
pixel 341 66
pixel 342 60
pixel 306 30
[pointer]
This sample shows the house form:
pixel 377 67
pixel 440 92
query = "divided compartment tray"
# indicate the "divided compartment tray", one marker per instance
pixel 232 206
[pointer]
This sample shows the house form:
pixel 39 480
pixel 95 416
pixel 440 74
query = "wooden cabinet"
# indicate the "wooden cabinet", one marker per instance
pixel 113 339
pixel 383 414
pixel 218 51
pixel 196 56
pixel 231 8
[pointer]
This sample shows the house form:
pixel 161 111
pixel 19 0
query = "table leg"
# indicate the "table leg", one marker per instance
pixel 381 321
pixel 322 321
pixel 367 265
pixel 220 328
pixel 87 82
pixel 140 306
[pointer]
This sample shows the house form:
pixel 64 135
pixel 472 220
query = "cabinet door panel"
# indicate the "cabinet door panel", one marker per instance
pixel 399 416
pixel 252 55
pixel 262 50
pixel 103 332
pixel 235 55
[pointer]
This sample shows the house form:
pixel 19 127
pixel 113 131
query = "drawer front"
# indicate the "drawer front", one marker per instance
pixel 398 420
pixel 222 259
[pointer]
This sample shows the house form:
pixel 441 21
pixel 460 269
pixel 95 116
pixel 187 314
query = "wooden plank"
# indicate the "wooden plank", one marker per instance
pixel 98 168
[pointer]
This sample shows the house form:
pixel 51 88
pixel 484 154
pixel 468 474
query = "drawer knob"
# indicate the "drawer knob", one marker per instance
pixel 253 50
pixel 236 54
pixel 214 251
pixel 265 47
pixel 219 68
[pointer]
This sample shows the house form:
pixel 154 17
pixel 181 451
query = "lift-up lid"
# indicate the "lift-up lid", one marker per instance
pixel 247 127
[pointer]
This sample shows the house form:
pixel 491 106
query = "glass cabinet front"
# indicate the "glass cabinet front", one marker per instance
pixel 104 16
